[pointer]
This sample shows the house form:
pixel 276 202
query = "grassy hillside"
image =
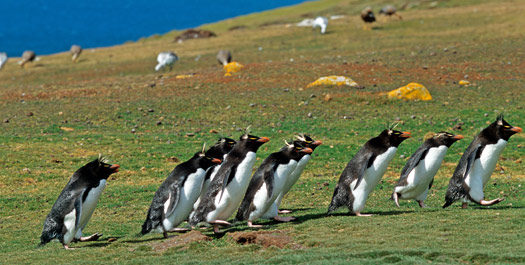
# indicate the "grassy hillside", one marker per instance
pixel 57 116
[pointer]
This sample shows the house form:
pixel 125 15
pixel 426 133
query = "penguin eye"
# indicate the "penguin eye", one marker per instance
pixel 307 141
pixel 506 126
pixel 298 148
pixel 106 165
pixel 253 138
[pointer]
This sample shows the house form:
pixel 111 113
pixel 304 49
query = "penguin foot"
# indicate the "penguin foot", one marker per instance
pixel 68 247
pixel 421 204
pixel 464 205
pixel 221 222
pixel 216 229
pixel 361 214
pixel 179 230
pixel 283 219
pixel 396 198
pixel 284 211
pixel 492 202
pixel 93 237
pixel 250 224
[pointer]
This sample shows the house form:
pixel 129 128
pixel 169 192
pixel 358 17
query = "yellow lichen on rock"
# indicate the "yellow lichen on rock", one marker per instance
pixel 412 91
pixel 334 80
pixel 464 83
pixel 183 76
pixel 232 67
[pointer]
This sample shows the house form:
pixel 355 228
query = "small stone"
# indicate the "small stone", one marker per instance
pixel 6 120
pixel 413 116
pixel 214 131
pixel 286 90
pixel 26 170
pixel 310 115
pixel 152 85
pixel 159 123
pixel 465 76
pixel 486 114
pixel 402 156
pixel 128 112
pixel 29 114
pixel 425 67
pixel 151 110
pixel 253 105
pixel 445 49
pixel 133 130
pixel 190 134
pixel 312 95
pixel 173 159
pixel 140 109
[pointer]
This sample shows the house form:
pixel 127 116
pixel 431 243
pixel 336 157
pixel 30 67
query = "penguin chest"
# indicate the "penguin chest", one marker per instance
pixel 483 167
pixel 296 173
pixel 228 202
pixel 371 178
pixel 420 177
pixel 89 204
pixel 262 199
pixel 189 193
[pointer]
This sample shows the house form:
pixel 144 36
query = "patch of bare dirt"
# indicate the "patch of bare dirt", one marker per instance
pixel 180 241
pixel 265 238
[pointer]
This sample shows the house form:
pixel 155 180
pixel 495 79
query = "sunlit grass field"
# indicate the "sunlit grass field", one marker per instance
pixel 57 116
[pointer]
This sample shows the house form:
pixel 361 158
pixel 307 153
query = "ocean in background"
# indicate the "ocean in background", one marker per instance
pixel 51 26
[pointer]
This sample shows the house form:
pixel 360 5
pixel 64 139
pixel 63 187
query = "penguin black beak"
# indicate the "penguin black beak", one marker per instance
pixel 317 143
pixel 216 160
pixel 306 150
pixel 458 137
pixel 406 135
pixel 516 129
pixel 263 139
pixel 115 167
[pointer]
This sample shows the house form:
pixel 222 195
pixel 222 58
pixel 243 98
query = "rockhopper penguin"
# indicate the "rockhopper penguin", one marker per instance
pixel 76 203
pixel 477 164
pixel 418 174
pixel 268 182
pixel 221 148
pixel 306 141
pixel 175 197
pixel 365 170
pixel 230 183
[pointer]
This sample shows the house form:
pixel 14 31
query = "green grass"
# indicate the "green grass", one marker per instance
pixel 111 90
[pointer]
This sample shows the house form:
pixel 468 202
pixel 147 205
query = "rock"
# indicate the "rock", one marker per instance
pixel 173 159
pixel 334 80
pixel 412 91
pixel 327 97
pixel 194 34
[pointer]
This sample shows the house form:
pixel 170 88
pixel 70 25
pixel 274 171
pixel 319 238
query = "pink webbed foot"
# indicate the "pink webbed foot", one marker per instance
pixel 284 211
pixel 250 224
pixel 422 204
pixel 361 214
pixel 93 237
pixel 492 202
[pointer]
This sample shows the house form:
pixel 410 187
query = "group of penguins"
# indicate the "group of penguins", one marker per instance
pixel 208 188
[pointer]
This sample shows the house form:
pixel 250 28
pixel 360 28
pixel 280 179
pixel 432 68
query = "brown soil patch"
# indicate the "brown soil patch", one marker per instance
pixel 180 241
pixel 265 239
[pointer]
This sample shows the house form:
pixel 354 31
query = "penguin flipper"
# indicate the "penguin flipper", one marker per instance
pixel 413 162
pixel 456 187
pixel 367 161
pixel 229 175
pixel 174 200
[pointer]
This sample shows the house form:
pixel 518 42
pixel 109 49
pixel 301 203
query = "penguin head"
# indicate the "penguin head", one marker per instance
pixel 308 141
pixel 502 129
pixel 227 144
pixel 253 142
pixel 395 137
pixel 444 138
pixel 100 168
pixel 208 159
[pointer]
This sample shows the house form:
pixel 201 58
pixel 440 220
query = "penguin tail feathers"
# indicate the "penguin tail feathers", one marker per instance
pixel 146 227
pixel 448 202
pixel 338 199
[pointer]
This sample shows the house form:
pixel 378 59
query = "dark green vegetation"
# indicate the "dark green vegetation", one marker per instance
pixel 61 115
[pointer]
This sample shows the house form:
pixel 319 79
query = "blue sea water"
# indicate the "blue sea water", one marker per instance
pixel 51 26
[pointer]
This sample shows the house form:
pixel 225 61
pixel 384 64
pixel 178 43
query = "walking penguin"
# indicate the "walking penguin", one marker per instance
pixel 418 174
pixel 175 197
pixel 365 170
pixel 76 203
pixel 268 182
pixel 477 164
pixel 230 183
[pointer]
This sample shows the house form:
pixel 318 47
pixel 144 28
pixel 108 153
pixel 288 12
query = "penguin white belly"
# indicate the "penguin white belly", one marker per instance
pixel 261 200
pixel 69 223
pixel 189 193
pixel 206 185
pixel 420 177
pixel 482 169
pixel 228 202
pixel 371 178
pixel 88 206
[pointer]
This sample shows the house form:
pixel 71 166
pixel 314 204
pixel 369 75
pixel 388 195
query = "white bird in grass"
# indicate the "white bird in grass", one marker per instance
pixel 3 59
pixel 166 59
pixel 321 22
pixel 75 50
pixel 27 56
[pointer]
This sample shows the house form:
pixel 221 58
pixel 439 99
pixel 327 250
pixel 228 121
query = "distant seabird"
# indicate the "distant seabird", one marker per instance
pixel 75 50
pixel 3 59
pixel 224 57
pixel 321 22
pixel 166 59
pixel 27 56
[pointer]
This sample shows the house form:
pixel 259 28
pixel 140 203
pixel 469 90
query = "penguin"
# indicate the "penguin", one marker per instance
pixel 320 22
pixel 390 10
pixel 224 57
pixel 477 164
pixel 75 50
pixel 76 203
pixel 166 59
pixel 3 59
pixel 365 170
pixel 268 182
pixel 175 197
pixel 306 141
pixel 228 187
pixel 221 148
pixel 418 174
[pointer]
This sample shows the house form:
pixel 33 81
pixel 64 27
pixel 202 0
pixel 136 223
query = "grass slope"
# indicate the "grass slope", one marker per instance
pixel 57 116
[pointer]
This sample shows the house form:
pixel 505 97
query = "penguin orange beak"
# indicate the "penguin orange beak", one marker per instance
pixel 263 139
pixel 458 137
pixel 516 129
pixel 406 135
pixel 115 167
pixel 216 161
pixel 306 150
pixel 317 143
